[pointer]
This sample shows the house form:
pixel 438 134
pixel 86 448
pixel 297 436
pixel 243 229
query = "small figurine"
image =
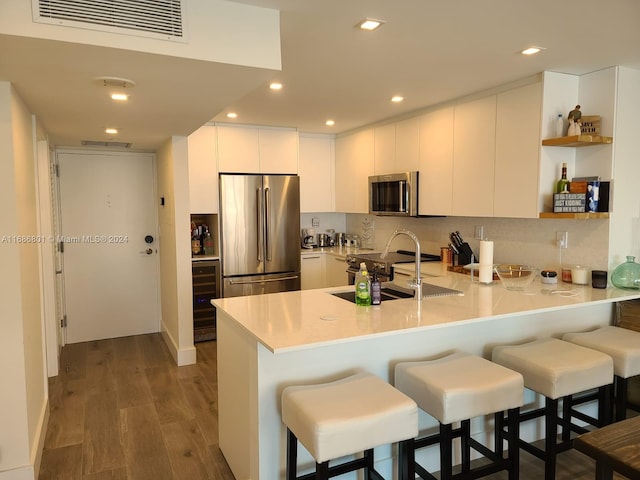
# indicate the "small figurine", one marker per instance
pixel 575 114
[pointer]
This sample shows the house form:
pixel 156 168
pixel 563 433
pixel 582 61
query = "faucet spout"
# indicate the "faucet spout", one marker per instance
pixel 417 281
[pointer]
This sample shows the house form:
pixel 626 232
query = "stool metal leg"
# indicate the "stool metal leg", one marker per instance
pixel 322 470
pixel 292 455
pixel 446 451
pixel 513 425
pixel 465 446
pixel 621 388
pixel 550 441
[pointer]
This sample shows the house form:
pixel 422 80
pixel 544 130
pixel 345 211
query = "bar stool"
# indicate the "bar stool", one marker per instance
pixel 457 388
pixel 558 370
pixel 623 346
pixel 345 417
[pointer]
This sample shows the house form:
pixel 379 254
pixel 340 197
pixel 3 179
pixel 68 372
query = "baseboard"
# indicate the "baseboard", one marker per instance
pixel 31 471
pixel 182 356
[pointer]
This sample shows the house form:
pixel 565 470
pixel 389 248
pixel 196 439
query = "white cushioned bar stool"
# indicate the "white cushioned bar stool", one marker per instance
pixel 623 346
pixel 457 388
pixel 345 417
pixel 559 370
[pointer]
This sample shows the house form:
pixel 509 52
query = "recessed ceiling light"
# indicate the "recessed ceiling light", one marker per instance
pixel 330 123
pixel 275 86
pixel 531 50
pixel 232 115
pixel 397 99
pixel 369 24
pixel 121 97
pixel 111 131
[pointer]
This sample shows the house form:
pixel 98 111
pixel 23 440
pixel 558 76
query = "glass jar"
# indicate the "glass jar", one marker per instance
pixel 627 274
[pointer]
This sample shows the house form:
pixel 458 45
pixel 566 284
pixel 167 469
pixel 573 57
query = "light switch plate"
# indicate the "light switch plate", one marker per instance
pixel 315 222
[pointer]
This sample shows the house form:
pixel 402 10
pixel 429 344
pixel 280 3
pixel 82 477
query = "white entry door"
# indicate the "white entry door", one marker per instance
pixel 109 229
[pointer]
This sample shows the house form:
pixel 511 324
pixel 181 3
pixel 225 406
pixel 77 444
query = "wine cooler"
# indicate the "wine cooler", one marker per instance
pixel 206 286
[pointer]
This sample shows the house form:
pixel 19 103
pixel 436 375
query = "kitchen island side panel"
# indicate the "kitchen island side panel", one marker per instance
pixel 237 397
pixel 261 442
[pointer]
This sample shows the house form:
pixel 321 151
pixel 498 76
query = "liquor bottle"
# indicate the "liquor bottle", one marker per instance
pixel 363 286
pixel 563 184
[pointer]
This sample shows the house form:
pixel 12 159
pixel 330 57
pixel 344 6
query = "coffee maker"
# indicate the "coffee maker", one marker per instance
pixel 308 238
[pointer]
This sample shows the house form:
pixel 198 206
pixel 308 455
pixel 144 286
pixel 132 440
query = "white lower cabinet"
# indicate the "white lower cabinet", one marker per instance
pixel 335 270
pixel 312 275
pixel 322 270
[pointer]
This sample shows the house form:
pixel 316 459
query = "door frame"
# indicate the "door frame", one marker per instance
pixel 106 152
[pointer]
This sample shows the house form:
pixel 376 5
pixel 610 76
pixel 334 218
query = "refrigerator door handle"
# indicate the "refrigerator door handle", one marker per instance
pixel 247 282
pixel 267 233
pixel 260 238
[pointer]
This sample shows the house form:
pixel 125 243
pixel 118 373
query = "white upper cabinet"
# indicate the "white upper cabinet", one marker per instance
pixel 517 161
pixel 436 163
pixel 245 149
pixel 407 145
pixel 203 170
pixel 474 147
pixel 396 147
pixel 278 150
pixel 384 149
pixel 317 163
pixel 354 165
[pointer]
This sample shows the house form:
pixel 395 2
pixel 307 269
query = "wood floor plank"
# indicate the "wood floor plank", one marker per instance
pixel 204 403
pixel 66 414
pixel 73 361
pixel 188 452
pixel 222 470
pixel 132 387
pixel 100 367
pixel 116 474
pixel 153 350
pixel 64 463
pixel 102 448
pixel 168 396
pixel 144 449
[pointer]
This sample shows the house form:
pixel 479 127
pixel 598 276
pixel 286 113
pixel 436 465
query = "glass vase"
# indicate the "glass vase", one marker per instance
pixel 627 274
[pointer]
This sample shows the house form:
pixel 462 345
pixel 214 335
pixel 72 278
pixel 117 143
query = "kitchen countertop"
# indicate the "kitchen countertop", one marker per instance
pixel 288 321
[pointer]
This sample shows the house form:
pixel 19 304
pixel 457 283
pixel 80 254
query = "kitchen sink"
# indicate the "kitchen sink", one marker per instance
pixel 387 292
pixel 391 291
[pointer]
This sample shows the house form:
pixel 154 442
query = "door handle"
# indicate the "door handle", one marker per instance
pixel 148 251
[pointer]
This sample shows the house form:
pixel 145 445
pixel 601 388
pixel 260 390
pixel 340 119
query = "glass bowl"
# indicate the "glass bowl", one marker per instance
pixel 515 276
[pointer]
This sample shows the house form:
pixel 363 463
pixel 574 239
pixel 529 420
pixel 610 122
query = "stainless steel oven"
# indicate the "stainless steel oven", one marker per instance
pixel 382 267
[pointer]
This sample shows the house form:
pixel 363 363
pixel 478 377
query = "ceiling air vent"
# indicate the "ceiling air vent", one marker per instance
pixel 97 143
pixel 162 19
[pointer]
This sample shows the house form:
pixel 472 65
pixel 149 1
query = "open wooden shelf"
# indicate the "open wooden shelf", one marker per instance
pixel 576 215
pixel 577 141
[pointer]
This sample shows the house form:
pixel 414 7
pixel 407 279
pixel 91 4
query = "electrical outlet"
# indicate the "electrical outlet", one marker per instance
pixel 479 232
pixel 562 239
pixel 315 222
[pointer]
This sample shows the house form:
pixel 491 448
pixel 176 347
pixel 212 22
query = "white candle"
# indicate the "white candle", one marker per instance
pixel 486 261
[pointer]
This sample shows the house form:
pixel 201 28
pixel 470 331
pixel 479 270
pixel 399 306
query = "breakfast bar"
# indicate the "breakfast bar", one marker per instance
pixel 268 342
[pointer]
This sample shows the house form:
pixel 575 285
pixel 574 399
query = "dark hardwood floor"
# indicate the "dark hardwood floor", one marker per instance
pixel 122 410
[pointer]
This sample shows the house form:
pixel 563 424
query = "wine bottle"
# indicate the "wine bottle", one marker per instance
pixel 563 184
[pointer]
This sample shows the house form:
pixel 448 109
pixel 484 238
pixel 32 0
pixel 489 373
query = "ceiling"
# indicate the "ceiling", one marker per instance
pixel 429 51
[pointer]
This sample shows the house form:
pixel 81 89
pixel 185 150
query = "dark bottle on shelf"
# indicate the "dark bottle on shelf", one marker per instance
pixel 563 184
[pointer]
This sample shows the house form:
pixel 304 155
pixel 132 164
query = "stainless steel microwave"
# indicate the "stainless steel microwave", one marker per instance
pixel 394 194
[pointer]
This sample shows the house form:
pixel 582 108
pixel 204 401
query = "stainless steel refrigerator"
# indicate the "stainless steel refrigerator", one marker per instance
pixel 260 233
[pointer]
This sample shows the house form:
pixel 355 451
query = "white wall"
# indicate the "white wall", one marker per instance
pixel 23 403
pixel 624 238
pixel 218 31
pixel 175 248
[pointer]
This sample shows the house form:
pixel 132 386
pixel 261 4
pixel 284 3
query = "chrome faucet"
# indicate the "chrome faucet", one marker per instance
pixel 417 282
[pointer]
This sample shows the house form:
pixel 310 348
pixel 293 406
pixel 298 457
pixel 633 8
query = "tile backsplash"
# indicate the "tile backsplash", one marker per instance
pixel 528 241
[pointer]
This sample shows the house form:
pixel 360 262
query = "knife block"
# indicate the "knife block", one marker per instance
pixel 465 254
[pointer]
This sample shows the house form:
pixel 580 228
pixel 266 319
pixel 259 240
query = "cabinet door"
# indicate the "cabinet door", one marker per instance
pixel 278 151
pixel 238 149
pixel 203 170
pixel 317 174
pixel 474 147
pixel 354 165
pixel 384 149
pixel 517 160
pixel 311 271
pixel 335 271
pixel 408 145
pixel 436 163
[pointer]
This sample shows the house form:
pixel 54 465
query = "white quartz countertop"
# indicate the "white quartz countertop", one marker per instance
pixel 293 320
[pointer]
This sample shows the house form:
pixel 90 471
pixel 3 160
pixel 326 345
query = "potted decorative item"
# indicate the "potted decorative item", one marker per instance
pixel 627 275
